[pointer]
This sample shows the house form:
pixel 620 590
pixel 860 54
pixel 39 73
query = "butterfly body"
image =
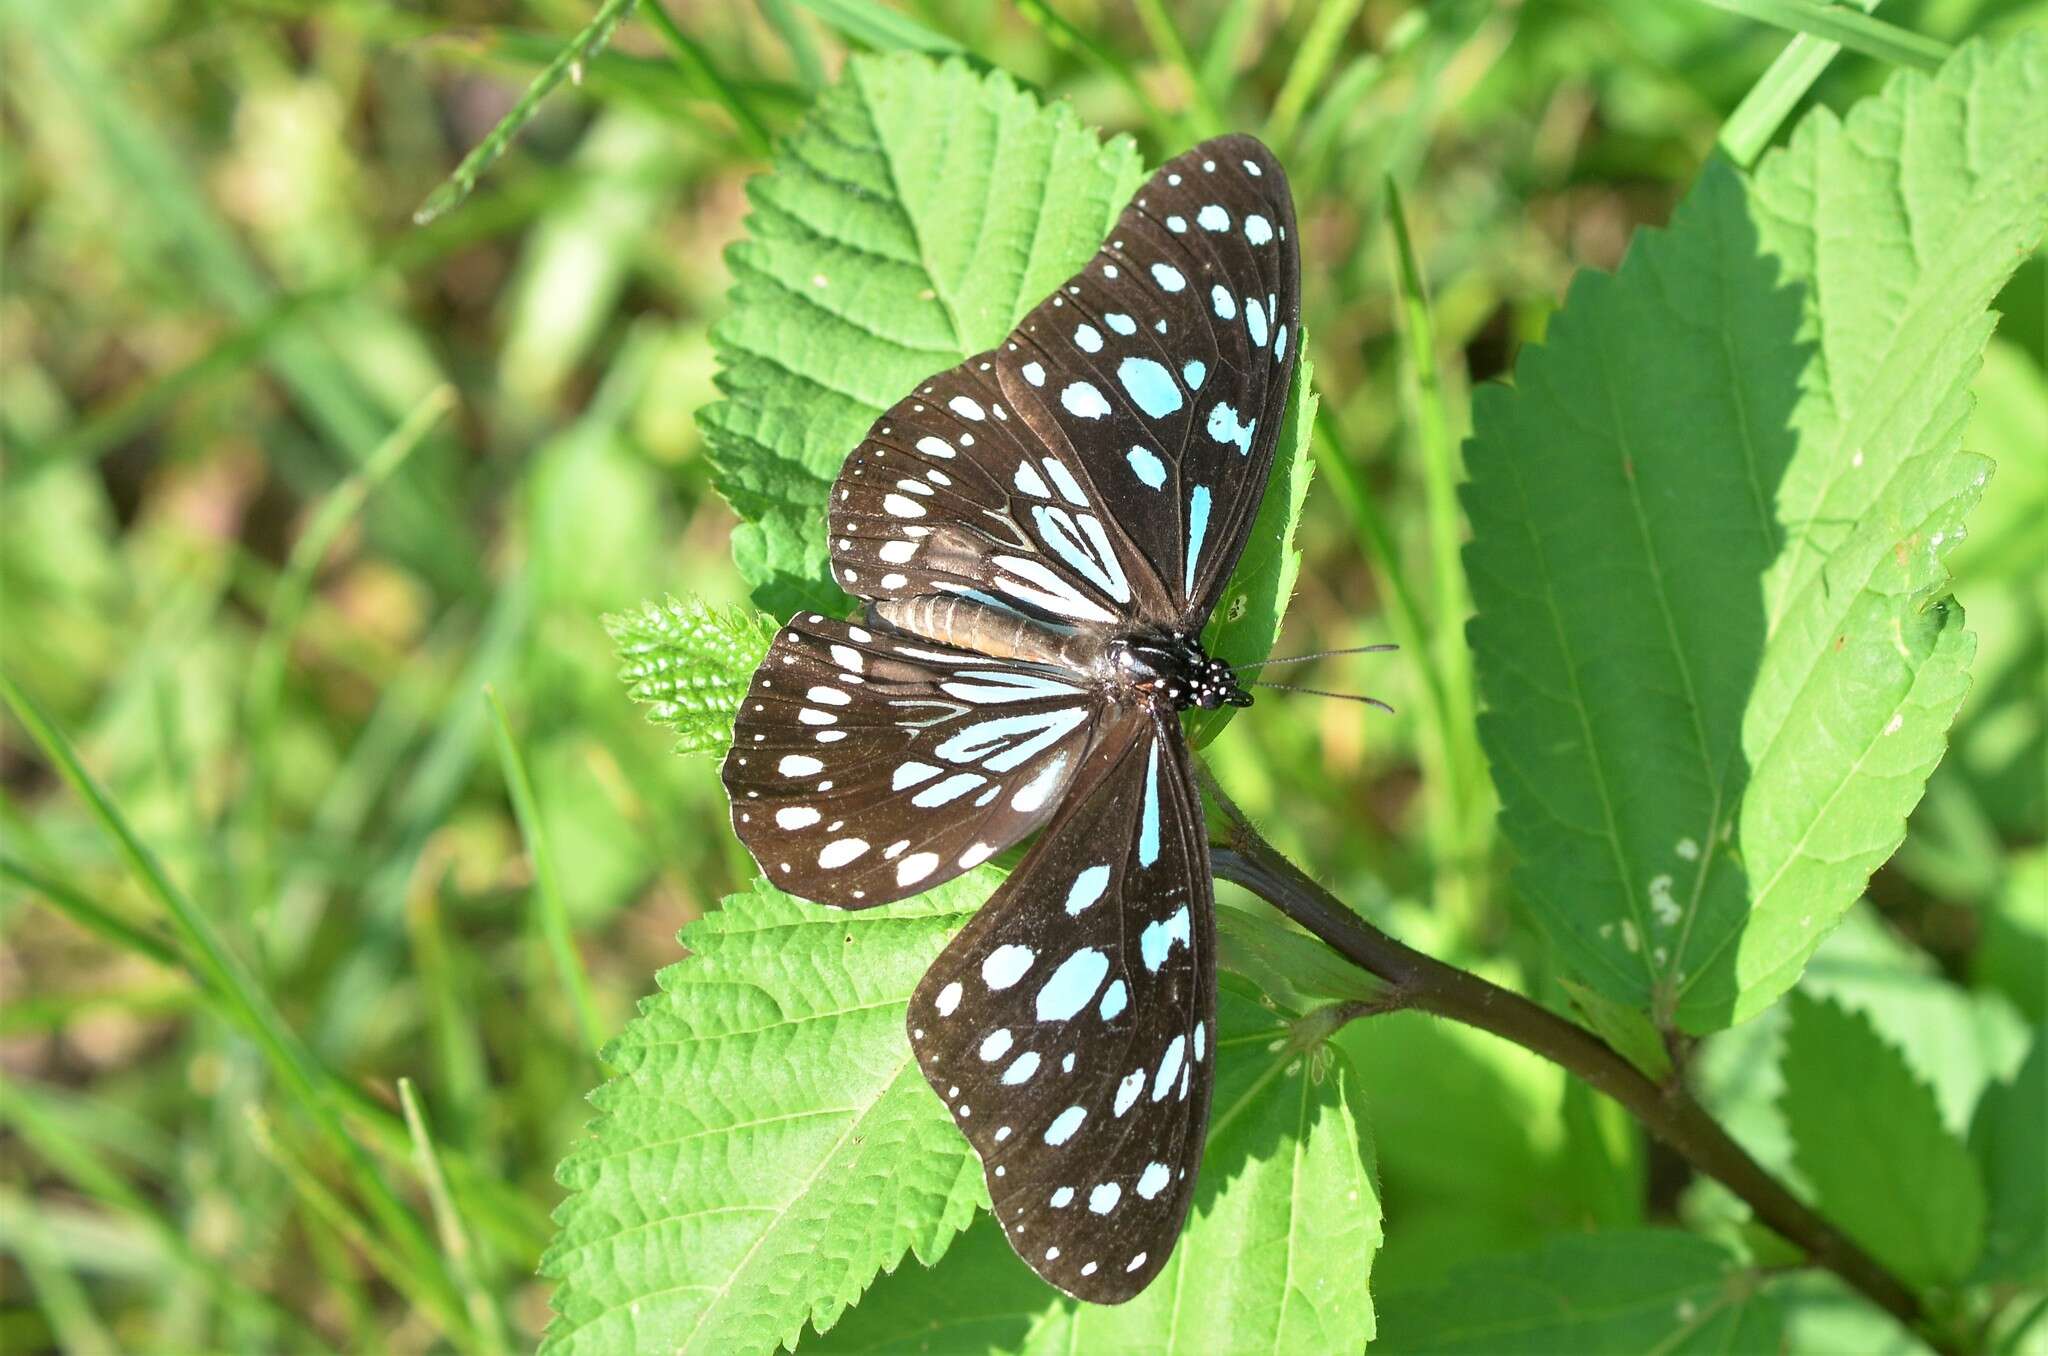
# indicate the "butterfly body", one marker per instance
pixel 1126 664
pixel 1039 535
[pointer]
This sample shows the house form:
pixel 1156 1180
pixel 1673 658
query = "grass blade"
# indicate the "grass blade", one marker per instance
pixel 1065 36
pixel 1227 41
pixel 58 1294
pixel 1460 758
pixel 92 916
pixel 566 64
pixel 333 1211
pixel 265 691
pixel 1312 61
pixel 1166 41
pixel 550 911
pixel 697 68
pixel 879 28
pixel 803 49
pixel 1858 32
pixel 1776 93
pixel 75 1160
pixel 455 1241
pixel 247 1003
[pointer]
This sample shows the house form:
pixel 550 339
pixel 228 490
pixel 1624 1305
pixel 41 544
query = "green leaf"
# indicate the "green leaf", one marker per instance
pixel 1276 1256
pixel 567 65
pixel 1289 966
pixel 1246 621
pixel 690 662
pixel 1957 1041
pixel 1625 1028
pixel 768 1144
pixel 2005 1140
pixel 1624 1292
pixel 1868 1136
pixel 1709 522
pixel 911 221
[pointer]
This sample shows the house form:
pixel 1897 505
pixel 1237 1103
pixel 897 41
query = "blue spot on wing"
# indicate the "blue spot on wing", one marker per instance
pixel 1151 385
pixel 1198 527
pixel 1148 830
pixel 1147 466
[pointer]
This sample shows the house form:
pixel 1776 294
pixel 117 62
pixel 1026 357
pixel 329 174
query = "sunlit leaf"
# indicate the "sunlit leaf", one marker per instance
pixel 690 663
pixel 768 1144
pixel 1275 1259
pixel 1868 1136
pixel 1709 521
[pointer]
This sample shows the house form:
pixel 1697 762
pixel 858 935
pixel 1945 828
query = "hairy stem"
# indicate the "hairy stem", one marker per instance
pixel 1668 1109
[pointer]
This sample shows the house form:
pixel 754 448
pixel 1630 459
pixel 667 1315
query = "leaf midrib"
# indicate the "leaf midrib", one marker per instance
pixel 723 1290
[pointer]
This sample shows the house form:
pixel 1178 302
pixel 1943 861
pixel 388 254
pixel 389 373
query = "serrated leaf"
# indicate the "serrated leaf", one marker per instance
pixel 768 1144
pixel 2005 1141
pixel 1631 1034
pixel 1708 529
pixel 1622 1292
pixel 1290 967
pixel 920 210
pixel 1868 1136
pixel 1275 1259
pixel 690 662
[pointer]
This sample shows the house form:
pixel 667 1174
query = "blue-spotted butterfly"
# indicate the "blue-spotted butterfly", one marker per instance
pixel 1039 535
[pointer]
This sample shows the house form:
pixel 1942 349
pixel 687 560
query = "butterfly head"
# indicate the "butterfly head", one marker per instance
pixel 1177 668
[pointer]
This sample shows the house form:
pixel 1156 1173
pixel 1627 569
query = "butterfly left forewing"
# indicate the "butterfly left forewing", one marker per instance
pixel 1070 1026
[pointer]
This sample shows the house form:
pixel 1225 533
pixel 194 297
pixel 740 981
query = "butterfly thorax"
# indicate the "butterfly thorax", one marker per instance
pixel 1175 667
pixel 1134 662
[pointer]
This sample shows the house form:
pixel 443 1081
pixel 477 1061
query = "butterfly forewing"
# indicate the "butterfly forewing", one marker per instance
pixel 950 494
pixel 1070 1025
pixel 1162 369
pixel 867 766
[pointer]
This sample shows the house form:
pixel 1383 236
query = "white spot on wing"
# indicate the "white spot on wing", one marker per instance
pixel 840 851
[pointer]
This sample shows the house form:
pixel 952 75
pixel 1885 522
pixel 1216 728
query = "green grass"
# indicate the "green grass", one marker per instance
pixel 310 946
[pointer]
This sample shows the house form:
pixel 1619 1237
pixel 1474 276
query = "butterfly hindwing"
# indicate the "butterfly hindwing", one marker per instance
pixel 867 765
pixel 1162 369
pixel 1070 1025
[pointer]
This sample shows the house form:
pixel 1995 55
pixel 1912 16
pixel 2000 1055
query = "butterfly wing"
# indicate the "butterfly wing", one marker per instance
pixel 1069 1025
pixel 1105 462
pixel 950 493
pixel 868 765
pixel 1162 368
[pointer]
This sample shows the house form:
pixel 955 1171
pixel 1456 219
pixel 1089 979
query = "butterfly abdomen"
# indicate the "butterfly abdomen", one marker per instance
pixel 993 631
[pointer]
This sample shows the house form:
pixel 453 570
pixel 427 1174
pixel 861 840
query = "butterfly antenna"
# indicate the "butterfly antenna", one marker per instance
pixel 1321 692
pixel 1319 654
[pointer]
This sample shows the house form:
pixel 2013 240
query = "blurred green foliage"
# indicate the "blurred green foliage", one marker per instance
pixel 215 312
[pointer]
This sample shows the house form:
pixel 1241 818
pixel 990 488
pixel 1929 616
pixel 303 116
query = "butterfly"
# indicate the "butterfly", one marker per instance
pixel 1039 536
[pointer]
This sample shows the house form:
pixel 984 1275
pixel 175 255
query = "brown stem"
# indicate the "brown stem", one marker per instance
pixel 1668 1110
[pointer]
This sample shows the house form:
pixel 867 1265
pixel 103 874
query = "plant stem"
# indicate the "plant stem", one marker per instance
pixel 1668 1109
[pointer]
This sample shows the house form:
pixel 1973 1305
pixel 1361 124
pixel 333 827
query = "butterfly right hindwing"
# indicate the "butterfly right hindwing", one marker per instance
pixel 1069 1026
